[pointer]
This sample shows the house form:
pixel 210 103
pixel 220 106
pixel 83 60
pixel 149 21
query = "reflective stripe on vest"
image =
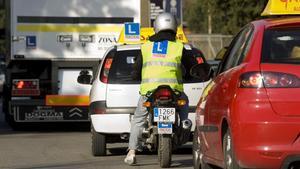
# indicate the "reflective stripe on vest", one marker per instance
pixel 163 67
pixel 161 80
pixel 158 63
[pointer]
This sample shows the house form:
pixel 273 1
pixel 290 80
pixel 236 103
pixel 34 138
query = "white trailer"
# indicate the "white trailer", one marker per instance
pixel 49 42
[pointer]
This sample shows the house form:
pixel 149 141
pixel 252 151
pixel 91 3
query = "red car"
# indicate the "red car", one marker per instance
pixel 249 114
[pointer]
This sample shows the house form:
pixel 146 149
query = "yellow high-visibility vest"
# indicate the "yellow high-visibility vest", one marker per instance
pixel 161 65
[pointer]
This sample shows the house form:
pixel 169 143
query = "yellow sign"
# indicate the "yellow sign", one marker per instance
pixel 282 7
pixel 147 32
pixel 67 100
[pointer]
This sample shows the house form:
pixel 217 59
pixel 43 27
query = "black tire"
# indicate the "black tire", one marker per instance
pixel 5 109
pixel 230 160
pixel 98 143
pixel 196 151
pixel 164 150
pixel 5 105
pixel 12 123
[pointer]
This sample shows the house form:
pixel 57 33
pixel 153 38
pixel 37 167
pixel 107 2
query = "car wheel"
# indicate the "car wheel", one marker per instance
pixel 229 156
pixel 197 161
pixel 196 150
pixel 98 143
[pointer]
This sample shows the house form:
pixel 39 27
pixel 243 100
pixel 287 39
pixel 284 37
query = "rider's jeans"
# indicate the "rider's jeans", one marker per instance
pixel 139 120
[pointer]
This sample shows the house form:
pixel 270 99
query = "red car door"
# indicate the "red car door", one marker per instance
pixel 221 95
pixel 217 102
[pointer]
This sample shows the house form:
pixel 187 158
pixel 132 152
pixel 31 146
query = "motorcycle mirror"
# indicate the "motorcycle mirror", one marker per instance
pixel 84 77
pixel 202 72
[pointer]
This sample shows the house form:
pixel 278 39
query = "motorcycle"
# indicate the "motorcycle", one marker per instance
pixel 164 130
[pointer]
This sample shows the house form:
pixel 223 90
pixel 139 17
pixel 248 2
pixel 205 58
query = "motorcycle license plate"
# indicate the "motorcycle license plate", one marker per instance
pixel 166 115
pixel 165 128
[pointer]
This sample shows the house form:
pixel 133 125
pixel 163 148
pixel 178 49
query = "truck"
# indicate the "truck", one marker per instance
pixel 49 42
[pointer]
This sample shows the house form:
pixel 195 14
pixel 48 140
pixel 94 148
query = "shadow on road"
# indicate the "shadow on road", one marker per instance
pixel 45 128
pixel 114 151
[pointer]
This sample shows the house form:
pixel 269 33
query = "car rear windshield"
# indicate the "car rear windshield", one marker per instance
pixel 281 46
pixel 124 69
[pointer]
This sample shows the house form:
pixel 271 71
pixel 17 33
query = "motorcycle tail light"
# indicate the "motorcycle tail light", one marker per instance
pixel 163 94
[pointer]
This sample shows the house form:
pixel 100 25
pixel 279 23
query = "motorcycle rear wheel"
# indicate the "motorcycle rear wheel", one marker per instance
pixel 165 150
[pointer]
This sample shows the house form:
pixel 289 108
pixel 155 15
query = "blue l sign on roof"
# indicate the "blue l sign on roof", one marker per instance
pixel 132 31
pixel 31 41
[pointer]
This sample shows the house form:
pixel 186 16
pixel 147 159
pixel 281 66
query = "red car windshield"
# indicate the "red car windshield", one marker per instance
pixel 281 46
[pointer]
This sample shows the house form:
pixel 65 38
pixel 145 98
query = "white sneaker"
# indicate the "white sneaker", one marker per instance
pixel 130 159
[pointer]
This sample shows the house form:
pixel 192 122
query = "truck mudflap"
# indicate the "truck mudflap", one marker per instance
pixel 37 111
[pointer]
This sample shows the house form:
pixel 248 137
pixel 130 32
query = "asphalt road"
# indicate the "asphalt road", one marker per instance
pixel 68 147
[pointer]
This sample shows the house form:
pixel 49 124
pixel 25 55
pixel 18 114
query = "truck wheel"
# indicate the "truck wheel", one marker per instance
pixel 11 122
pixel 9 119
pixel 229 156
pixel 164 150
pixel 196 151
pixel 98 143
pixel 5 104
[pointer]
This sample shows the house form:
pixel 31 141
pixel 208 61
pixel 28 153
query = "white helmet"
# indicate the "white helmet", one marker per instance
pixel 165 21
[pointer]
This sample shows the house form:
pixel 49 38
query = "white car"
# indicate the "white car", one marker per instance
pixel 115 92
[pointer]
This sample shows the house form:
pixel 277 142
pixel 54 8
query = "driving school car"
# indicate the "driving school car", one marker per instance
pixel 115 92
pixel 248 115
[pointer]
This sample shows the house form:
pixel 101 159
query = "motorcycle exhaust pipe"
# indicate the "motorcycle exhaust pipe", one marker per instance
pixel 187 124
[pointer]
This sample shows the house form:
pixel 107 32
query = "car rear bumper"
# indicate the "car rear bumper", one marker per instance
pixel 255 147
pixel 117 120
pixel 111 123
pixel 262 138
pixel 118 123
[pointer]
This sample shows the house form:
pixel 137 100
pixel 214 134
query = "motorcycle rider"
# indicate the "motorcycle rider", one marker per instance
pixel 162 57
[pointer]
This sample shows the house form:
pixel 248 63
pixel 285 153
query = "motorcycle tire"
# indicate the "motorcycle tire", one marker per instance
pixel 165 150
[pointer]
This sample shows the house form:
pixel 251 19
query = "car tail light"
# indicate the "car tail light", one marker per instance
pixel 105 70
pixel 25 87
pixel 98 111
pixel 269 80
pixel 163 94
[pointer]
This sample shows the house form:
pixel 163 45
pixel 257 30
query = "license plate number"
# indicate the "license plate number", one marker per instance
pixel 165 128
pixel 164 115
